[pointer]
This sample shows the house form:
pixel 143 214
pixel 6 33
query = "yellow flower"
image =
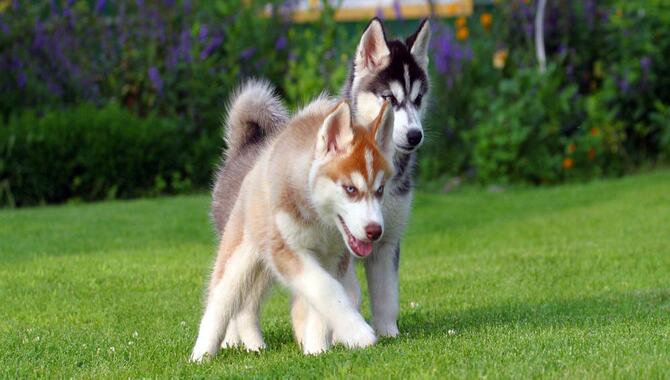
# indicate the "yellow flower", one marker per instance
pixel 499 58
pixel 571 148
pixel 486 19
pixel 4 4
pixel 568 163
pixel 461 22
pixel 462 33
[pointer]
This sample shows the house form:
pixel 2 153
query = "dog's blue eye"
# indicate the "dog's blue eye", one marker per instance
pixel 351 190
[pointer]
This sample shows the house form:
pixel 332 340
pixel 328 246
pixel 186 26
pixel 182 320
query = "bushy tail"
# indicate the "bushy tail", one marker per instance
pixel 254 112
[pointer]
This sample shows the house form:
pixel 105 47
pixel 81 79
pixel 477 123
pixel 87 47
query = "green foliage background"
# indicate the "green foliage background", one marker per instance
pixel 123 68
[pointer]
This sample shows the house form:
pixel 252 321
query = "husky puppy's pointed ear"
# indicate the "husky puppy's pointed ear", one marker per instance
pixel 382 129
pixel 336 133
pixel 372 52
pixel 418 43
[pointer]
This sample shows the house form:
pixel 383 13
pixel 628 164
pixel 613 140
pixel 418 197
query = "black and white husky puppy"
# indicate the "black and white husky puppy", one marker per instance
pixel 382 69
pixel 396 71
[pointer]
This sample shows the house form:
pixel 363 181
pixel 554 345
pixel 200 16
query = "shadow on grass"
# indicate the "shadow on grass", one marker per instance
pixel 580 312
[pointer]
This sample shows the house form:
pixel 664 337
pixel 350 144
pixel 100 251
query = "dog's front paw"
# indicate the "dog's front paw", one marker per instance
pixel 315 344
pixel 387 329
pixel 314 349
pixel 254 346
pixel 202 352
pixel 199 356
pixel 359 337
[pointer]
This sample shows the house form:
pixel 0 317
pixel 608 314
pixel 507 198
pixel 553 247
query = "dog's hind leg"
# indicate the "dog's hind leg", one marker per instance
pixel 381 270
pixel 225 298
pixel 244 329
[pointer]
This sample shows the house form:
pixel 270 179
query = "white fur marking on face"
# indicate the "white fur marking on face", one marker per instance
pixel 416 87
pixel 378 180
pixel 368 162
pixel 406 79
pixel 359 181
pixel 367 107
pixel 397 90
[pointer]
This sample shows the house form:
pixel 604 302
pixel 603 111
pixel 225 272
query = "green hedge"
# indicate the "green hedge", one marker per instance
pixel 91 153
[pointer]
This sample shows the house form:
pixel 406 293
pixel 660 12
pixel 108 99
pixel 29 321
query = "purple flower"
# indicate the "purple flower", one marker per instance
pixel 4 27
pixel 623 85
pixel 449 55
pixel 379 13
pixel 247 53
pixel 155 79
pixel 202 36
pixel 281 43
pixel 55 89
pixel 645 63
pixel 213 44
pixel 15 5
pixel 396 8
pixel 99 6
pixel 183 50
pixel 590 12
pixel 21 79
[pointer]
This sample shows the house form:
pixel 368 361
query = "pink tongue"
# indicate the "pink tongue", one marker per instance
pixel 361 248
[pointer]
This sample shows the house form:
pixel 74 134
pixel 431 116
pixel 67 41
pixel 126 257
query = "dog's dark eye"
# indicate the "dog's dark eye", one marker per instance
pixel 391 99
pixel 380 191
pixel 350 189
pixel 417 101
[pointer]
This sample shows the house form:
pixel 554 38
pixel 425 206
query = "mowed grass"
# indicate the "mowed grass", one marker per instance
pixel 566 282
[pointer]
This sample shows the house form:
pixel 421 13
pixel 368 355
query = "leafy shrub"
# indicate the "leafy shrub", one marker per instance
pixel 600 110
pixel 89 153
pixel 519 128
pixel 179 59
pixel 318 60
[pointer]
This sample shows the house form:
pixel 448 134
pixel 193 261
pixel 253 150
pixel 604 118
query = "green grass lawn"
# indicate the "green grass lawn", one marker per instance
pixel 566 282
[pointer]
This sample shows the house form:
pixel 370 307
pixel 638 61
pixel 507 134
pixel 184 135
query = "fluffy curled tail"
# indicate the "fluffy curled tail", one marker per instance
pixel 254 112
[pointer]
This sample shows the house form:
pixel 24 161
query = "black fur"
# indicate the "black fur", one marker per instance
pixel 396 257
pixel 401 56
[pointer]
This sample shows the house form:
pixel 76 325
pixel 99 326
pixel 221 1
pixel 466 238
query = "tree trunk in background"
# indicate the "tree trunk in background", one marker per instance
pixel 539 35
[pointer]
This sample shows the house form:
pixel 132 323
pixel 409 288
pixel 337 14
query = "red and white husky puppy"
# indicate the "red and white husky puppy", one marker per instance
pixel 316 187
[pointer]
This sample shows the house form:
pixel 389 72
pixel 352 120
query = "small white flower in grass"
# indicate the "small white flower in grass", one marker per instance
pixel 36 339
pixel 112 349
pixel 135 334
pixel 182 323
pixel 130 342
pixel 452 332
pixel 414 305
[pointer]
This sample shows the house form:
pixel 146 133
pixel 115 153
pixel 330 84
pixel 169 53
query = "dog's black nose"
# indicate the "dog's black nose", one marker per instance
pixel 373 231
pixel 414 137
